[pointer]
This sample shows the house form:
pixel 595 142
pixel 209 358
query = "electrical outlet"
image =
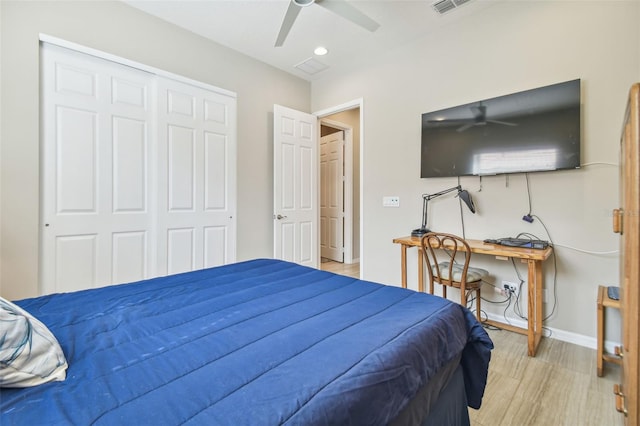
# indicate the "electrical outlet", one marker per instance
pixel 510 287
pixel 392 201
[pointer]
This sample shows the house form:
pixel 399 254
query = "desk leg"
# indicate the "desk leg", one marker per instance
pixel 403 264
pixel 421 271
pixel 539 303
pixel 534 312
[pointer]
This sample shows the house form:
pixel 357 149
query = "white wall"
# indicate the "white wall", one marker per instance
pixel 506 48
pixel 118 29
pixel 1 48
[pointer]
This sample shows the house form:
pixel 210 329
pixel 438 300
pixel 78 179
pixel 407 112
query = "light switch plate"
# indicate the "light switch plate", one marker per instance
pixel 391 201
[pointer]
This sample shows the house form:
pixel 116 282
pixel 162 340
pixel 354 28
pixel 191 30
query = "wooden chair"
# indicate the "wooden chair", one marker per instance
pixel 450 273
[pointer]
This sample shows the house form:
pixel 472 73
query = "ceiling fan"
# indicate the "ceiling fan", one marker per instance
pixel 479 119
pixel 339 7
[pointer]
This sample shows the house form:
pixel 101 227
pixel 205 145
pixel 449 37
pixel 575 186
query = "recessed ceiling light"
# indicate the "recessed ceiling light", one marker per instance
pixel 321 51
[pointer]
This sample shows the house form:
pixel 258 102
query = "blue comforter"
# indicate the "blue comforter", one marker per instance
pixel 258 342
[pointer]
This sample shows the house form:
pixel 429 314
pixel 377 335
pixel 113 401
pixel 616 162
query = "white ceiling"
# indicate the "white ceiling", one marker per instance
pixel 251 27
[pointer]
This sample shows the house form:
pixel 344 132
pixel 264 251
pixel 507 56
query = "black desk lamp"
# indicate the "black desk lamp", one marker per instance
pixel 462 193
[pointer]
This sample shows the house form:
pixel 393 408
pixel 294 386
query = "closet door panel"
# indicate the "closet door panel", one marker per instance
pixel 76 262
pixel 130 170
pixel 76 144
pixel 71 77
pixel 130 251
pixel 181 171
pixel 180 248
pixel 129 93
pixel 215 179
pixel 95 172
pixel 196 149
pixel 181 103
pixel 215 243
pixel 216 112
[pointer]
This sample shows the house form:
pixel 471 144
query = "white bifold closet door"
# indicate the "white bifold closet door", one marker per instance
pixel 138 174
pixel 196 172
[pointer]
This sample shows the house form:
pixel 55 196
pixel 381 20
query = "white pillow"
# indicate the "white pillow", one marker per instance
pixel 29 353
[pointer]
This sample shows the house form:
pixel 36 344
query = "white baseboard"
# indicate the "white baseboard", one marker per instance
pixel 565 336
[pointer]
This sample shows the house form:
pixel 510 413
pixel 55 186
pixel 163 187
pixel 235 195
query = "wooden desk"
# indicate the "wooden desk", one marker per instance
pixel 533 258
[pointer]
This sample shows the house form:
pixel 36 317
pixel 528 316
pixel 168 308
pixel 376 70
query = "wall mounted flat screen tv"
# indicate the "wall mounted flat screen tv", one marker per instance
pixel 530 131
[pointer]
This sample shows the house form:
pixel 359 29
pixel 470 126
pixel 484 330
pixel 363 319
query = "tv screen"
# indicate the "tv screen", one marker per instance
pixel 530 131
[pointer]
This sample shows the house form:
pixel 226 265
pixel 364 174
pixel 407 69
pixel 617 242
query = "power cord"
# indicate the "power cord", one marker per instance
pixel 555 265
pixel 504 313
pixel 508 300
pixel 484 317
pixel 495 302
pixel 593 163
pixel 597 253
pixel 527 217
pixel 517 309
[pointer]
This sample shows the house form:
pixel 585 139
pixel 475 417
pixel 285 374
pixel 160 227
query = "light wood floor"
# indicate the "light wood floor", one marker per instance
pixel 350 270
pixel 559 387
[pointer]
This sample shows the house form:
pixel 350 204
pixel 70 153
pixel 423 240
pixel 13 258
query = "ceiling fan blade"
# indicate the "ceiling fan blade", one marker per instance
pixel 452 121
pixel 465 127
pixel 347 11
pixel 506 123
pixel 289 18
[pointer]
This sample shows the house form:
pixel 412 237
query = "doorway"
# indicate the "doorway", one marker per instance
pixel 347 118
pixel 334 177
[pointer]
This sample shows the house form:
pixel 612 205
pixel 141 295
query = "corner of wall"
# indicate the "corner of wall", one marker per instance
pixel 1 39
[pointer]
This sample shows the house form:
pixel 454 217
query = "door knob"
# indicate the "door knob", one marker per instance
pixel 279 217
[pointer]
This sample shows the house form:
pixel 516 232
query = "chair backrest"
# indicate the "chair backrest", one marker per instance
pixel 433 241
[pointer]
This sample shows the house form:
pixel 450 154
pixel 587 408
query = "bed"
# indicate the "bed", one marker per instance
pixel 259 342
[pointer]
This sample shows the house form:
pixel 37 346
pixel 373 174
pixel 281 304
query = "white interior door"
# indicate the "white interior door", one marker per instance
pixel 96 212
pixel 332 196
pixel 295 180
pixel 196 178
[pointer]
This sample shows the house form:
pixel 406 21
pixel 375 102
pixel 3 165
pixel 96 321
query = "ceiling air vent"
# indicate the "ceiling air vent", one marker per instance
pixel 311 66
pixel 443 6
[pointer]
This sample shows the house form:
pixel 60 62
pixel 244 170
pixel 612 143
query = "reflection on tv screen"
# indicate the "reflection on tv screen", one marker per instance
pixel 534 130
